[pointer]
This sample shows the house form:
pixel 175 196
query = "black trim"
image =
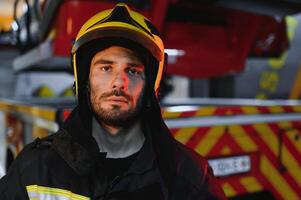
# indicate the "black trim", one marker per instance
pixel 121 14
pixel 121 33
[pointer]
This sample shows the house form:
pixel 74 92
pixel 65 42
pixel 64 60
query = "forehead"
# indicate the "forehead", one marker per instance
pixel 118 52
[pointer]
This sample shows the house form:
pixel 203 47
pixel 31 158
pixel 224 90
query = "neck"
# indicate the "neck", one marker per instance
pixel 113 130
pixel 118 142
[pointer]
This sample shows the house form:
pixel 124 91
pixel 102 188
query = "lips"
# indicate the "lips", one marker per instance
pixel 117 99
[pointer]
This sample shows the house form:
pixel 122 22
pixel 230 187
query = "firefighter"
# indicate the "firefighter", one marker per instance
pixel 114 144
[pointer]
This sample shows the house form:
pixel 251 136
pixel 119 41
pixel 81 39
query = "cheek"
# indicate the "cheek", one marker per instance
pixel 136 89
pixel 97 83
pixel 96 88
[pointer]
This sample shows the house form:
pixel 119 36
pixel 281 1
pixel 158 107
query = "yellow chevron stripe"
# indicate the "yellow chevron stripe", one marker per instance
pixel 241 138
pixel 205 111
pixel 275 178
pixel 296 108
pixel 184 134
pixel 268 137
pixel 212 136
pixel 289 161
pixel 276 109
pixel 226 150
pixel 250 110
pixel 292 165
pixel 228 189
pixel 284 125
pixel 292 134
pixel 171 114
pixel 251 184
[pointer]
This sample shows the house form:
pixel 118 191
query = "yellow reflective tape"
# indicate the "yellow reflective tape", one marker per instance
pixel 36 189
pixel 249 110
pixel 210 139
pixel 36 111
pixel 75 73
pixel 292 135
pixel 291 165
pixel 267 135
pixel 296 108
pixel 184 134
pixel 296 89
pixel 159 73
pixel 171 114
pixel 275 179
pixel 272 142
pixel 45 113
pixel 206 111
pixel 228 189
pixel 226 150
pixel 276 109
pixel 251 184
pixel 5 106
pixel 285 125
pixel 242 138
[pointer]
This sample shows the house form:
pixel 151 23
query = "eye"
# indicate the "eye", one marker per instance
pixel 105 68
pixel 135 71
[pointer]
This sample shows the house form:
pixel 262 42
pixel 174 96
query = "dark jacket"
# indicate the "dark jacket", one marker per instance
pixel 69 164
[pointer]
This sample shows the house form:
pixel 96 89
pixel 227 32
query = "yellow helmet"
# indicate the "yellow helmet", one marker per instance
pixel 120 22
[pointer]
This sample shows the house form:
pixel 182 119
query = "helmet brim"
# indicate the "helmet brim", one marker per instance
pixel 125 33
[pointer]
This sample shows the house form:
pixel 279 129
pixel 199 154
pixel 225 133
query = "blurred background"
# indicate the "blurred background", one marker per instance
pixel 231 90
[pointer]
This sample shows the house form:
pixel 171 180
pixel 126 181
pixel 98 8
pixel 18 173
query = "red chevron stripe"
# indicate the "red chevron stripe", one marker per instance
pixel 237 186
pixel 197 137
pixel 263 109
pixel 288 109
pixel 174 131
pixel 225 140
pixel 296 125
pixel 267 185
pixel 226 110
pixel 187 114
pixel 267 151
pixel 288 144
pixel 292 181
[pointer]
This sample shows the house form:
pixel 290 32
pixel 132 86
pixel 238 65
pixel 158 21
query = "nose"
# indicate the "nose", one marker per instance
pixel 120 81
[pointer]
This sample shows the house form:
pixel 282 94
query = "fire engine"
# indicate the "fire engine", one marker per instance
pixel 253 146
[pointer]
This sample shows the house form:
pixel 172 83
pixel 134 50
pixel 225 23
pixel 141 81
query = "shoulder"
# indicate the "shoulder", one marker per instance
pixel 191 165
pixel 195 171
pixel 34 152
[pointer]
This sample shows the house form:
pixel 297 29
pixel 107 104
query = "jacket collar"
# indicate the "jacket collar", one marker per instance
pixel 75 144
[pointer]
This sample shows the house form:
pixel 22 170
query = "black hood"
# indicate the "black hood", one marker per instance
pixel 150 115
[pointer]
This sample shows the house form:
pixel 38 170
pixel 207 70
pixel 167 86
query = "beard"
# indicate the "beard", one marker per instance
pixel 115 116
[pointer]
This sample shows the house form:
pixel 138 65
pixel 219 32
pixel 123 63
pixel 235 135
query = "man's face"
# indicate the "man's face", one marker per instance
pixel 117 80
